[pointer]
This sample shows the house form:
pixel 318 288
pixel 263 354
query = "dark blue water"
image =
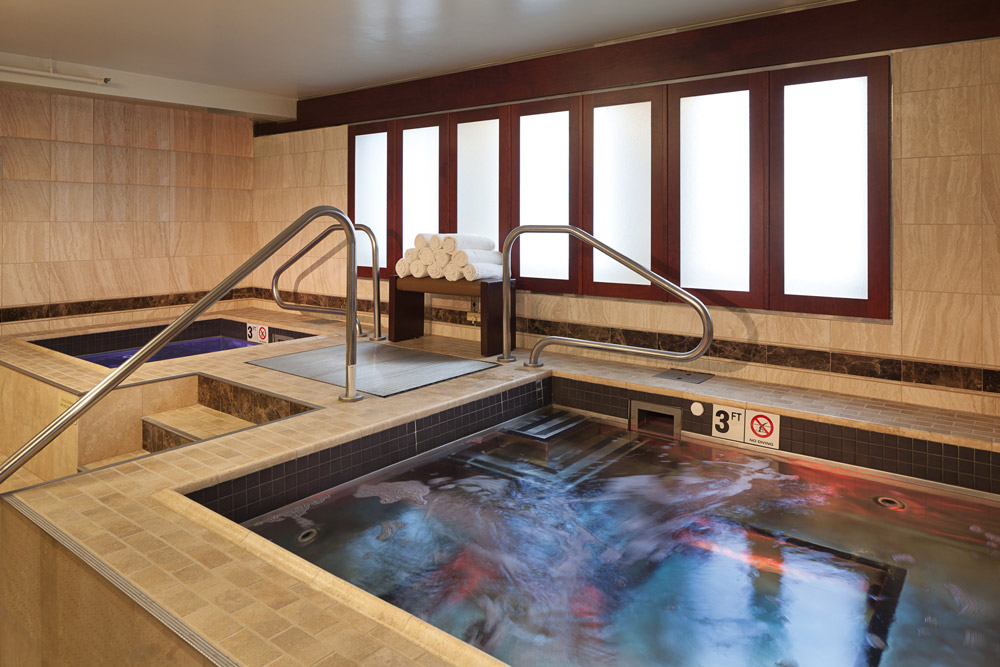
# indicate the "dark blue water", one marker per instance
pixel 181 348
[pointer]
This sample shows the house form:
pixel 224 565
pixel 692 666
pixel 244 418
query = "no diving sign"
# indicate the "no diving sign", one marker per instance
pixel 749 426
pixel 257 333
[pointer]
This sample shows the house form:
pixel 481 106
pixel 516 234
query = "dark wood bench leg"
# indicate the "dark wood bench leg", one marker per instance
pixel 406 313
pixel 491 316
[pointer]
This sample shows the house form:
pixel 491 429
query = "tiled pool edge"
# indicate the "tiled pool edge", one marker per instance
pixel 262 491
pixel 920 458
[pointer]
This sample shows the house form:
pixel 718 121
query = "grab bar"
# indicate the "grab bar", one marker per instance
pixel 87 401
pixel 376 283
pixel 659 281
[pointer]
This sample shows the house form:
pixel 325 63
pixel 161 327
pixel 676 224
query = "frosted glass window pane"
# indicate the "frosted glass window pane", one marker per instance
pixel 715 191
pixel 370 192
pixel 545 193
pixel 826 188
pixel 622 176
pixel 479 179
pixel 420 183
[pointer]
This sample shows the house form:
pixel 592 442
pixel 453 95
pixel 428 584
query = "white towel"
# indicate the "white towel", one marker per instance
pixel 463 257
pixel 453 272
pixel 411 255
pixel 435 271
pixel 435 242
pixel 418 269
pixel 481 271
pixel 425 256
pixel 402 267
pixel 422 241
pixel 453 242
pixel 442 258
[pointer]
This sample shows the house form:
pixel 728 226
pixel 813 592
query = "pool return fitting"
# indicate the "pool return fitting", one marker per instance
pixel 116 377
pixel 659 281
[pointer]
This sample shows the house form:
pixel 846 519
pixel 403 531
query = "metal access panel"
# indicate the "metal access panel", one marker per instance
pixel 656 420
pixel 693 377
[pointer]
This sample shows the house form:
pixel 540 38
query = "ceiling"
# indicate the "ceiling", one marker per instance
pixel 304 48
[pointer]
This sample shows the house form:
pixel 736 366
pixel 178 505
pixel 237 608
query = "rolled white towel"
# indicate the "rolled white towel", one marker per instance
pixel 435 242
pixel 481 271
pixel 471 256
pixel 418 269
pixel 411 255
pixel 425 256
pixel 453 272
pixel 402 267
pixel 422 240
pixel 435 271
pixel 453 242
pixel 442 258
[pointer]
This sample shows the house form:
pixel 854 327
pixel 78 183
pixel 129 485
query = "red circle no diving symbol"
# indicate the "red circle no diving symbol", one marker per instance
pixel 262 333
pixel 761 426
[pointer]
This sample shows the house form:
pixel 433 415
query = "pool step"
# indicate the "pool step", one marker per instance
pixel 181 426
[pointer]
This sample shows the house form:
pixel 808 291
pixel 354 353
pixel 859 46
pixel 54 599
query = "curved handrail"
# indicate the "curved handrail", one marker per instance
pixel 87 401
pixel 659 281
pixel 376 282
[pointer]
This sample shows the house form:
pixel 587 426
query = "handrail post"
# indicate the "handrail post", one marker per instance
pixel 116 377
pixel 659 281
pixel 377 303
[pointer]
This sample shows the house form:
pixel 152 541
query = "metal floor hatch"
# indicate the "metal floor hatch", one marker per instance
pixel 382 370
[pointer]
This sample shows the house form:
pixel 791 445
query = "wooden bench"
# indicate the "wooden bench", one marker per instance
pixel 406 307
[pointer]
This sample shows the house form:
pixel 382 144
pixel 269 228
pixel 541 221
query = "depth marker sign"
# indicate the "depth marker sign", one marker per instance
pixel 749 426
pixel 257 333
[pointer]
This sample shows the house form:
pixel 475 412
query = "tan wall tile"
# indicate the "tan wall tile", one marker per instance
pixel 991 119
pixel 153 167
pixel 191 131
pixel 115 203
pixel 26 159
pixel 991 189
pixel 942 258
pixel 947 66
pixel 939 191
pixel 25 284
pixel 225 136
pixel 153 203
pixel 192 170
pixel 26 114
pixel 72 280
pixel 154 275
pixel 112 427
pixel 192 204
pixel 334 171
pixel 113 240
pixel 25 242
pixel 73 119
pixel 72 202
pixel 991 331
pixel 114 122
pixel 943 398
pixel 232 172
pixel 116 164
pixel 25 201
pixel 71 241
pixel 991 259
pixel 153 239
pixel 991 61
pixel 187 239
pixel 153 127
pixel 114 279
pixel 942 327
pixel 230 206
pixel 72 162
pixel 941 122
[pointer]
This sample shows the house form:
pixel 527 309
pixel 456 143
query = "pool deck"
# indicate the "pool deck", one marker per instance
pixel 241 600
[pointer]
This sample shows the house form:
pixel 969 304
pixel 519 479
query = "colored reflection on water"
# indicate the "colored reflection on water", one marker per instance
pixel 602 547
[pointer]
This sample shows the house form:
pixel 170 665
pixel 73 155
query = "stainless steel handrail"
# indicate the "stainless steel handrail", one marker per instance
pixel 659 281
pixel 376 283
pixel 87 401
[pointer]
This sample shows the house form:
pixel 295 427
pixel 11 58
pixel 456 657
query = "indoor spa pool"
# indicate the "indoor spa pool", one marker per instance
pixel 557 539
pixel 111 349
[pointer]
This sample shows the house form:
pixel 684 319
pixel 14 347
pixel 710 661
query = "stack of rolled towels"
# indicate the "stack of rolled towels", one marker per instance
pixel 451 256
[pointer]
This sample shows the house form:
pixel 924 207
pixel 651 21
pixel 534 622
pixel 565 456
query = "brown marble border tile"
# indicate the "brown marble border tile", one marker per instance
pixel 943 375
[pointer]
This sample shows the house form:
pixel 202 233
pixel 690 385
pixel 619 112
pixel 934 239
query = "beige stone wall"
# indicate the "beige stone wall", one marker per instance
pixel 27 405
pixel 103 199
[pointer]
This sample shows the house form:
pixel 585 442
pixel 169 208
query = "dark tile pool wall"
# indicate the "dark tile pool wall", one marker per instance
pixel 107 341
pixel 924 459
pixel 266 490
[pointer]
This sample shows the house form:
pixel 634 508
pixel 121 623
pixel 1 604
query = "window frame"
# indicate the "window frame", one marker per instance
pixel 573 284
pixel 756 84
pixel 392 193
pixel 504 200
pixel 877 305
pixel 445 221
pixel 656 96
